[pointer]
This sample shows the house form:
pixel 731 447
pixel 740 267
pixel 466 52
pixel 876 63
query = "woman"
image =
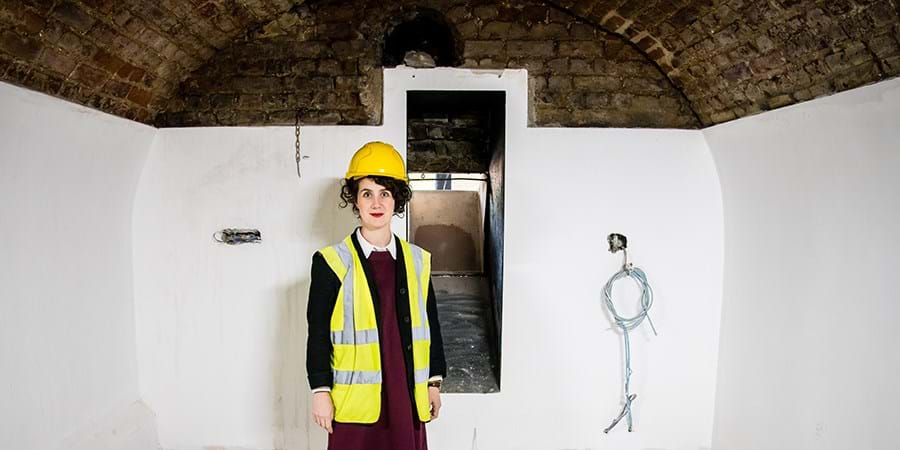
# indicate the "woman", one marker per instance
pixel 375 356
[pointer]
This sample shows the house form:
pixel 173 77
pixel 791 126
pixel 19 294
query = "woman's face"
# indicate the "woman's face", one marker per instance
pixel 375 204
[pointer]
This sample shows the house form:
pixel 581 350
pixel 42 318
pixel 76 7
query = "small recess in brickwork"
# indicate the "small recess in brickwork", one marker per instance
pixel 425 33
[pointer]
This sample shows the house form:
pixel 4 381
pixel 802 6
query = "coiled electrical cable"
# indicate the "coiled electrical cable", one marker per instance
pixel 627 324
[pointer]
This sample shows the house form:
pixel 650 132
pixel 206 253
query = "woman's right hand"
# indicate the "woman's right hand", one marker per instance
pixel 323 410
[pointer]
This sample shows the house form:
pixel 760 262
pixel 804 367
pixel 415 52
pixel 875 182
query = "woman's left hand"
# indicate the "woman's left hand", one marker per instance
pixel 434 398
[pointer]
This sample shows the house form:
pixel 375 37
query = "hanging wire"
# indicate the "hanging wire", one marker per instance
pixel 627 324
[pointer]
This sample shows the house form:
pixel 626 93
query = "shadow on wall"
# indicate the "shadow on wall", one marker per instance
pixel 291 400
pixel 455 245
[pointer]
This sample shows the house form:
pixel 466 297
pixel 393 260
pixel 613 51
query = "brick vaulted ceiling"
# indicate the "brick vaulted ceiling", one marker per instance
pixel 652 63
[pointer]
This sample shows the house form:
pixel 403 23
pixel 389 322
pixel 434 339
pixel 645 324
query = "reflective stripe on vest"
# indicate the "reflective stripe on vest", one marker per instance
pixel 356 358
pixel 360 377
pixel 420 330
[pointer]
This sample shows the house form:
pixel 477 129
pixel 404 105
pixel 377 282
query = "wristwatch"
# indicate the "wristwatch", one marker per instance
pixel 435 384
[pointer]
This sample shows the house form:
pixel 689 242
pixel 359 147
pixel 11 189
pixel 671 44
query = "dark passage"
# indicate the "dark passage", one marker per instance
pixel 455 149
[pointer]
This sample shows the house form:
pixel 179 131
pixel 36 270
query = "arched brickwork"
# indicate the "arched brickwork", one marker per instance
pixel 648 63
pixel 326 65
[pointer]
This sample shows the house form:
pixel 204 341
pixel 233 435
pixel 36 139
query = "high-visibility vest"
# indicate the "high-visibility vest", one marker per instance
pixel 356 358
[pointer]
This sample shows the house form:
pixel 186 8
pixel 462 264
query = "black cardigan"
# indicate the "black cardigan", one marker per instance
pixel 323 291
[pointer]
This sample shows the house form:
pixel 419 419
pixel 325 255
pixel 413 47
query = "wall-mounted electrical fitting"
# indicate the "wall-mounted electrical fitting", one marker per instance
pixel 234 236
pixel 619 242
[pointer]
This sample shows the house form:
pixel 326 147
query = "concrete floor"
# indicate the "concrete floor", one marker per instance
pixel 464 312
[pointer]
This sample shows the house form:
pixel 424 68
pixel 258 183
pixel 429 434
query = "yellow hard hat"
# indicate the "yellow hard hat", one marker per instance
pixel 377 158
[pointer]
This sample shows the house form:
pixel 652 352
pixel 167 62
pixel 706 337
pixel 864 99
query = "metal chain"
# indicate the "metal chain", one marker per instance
pixel 297 142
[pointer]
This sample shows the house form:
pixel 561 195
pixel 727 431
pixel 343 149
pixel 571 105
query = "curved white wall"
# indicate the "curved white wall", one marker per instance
pixel 565 191
pixel 221 332
pixel 808 355
pixel 67 353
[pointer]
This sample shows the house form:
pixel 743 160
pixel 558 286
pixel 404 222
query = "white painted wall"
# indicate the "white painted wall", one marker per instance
pixel 221 335
pixel 805 362
pixel 221 330
pixel 808 355
pixel 68 367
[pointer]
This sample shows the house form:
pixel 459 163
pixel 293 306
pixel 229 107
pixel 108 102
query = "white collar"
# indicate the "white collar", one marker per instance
pixel 368 247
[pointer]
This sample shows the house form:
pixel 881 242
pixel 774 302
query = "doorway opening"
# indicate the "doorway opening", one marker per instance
pixel 455 153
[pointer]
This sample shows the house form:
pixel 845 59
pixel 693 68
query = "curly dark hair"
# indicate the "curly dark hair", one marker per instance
pixel 399 189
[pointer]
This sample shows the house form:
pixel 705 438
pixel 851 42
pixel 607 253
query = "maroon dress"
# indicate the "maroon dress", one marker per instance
pixel 397 428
